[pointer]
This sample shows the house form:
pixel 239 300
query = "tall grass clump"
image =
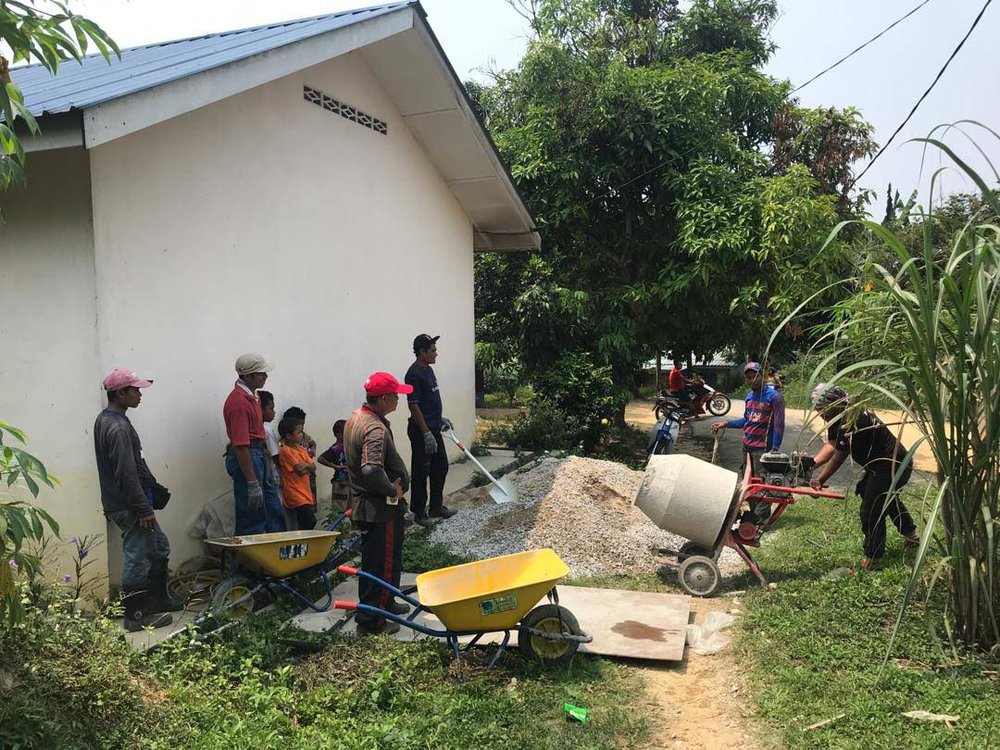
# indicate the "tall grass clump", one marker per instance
pixel 923 332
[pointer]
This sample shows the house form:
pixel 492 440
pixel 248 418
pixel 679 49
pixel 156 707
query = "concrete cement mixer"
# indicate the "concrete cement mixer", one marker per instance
pixel 698 501
pixel 710 506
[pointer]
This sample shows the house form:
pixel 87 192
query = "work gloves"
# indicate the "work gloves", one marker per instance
pixel 446 425
pixel 430 444
pixel 255 495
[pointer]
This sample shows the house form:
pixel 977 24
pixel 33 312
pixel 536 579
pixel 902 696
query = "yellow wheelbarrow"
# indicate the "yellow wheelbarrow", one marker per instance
pixel 276 562
pixel 497 595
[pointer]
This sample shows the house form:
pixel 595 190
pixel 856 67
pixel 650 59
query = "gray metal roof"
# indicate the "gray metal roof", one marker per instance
pixel 78 86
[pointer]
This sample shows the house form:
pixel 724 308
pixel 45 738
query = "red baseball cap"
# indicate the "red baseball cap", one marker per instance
pixel 382 384
pixel 118 379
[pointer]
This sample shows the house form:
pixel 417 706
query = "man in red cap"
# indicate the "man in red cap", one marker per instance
pixel 378 479
pixel 129 494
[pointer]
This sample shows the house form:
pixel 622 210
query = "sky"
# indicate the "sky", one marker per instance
pixel 883 81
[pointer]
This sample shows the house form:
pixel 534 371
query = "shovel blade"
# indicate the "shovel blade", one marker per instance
pixel 503 491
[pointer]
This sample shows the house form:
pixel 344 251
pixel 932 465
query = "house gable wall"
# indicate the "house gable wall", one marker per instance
pixel 51 372
pixel 266 223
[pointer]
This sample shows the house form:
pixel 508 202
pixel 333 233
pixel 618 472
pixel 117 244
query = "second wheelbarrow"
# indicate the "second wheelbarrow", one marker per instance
pixel 280 561
pixel 496 595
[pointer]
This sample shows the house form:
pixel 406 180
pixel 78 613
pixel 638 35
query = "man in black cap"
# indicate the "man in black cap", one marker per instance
pixel 429 460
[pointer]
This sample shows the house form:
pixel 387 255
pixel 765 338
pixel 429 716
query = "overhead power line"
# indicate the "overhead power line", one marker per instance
pixel 858 49
pixel 928 91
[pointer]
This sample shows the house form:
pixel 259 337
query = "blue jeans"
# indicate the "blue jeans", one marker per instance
pixel 269 518
pixel 144 551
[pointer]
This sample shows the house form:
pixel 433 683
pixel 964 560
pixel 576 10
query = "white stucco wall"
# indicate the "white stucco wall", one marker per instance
pixel 266 223
pixel 50 373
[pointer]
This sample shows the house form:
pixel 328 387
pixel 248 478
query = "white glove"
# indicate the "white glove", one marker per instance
pixel 255 495
pixel 430 444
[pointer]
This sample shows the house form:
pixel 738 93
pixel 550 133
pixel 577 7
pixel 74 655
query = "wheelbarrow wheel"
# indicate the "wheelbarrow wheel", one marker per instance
pixel 235 596
pixel 699 576
pixel 548 618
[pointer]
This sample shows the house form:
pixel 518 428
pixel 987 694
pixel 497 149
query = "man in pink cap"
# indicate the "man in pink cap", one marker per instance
pixel 378 479
pixel 130 495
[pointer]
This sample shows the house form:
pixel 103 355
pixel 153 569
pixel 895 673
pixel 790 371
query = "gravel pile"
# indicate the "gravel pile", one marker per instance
pixel 580 507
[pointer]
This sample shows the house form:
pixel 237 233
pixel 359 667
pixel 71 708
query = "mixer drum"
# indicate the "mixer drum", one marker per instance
pixel 689 497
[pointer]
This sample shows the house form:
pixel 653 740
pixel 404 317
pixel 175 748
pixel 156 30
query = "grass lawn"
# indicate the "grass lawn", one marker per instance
pixel 70 682
pixel 815 647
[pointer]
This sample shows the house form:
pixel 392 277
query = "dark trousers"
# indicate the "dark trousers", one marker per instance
pixel 305 517
pixel 876 505
pixel 382 556
pixel 424 467
pixel 761 511
pixel 271 517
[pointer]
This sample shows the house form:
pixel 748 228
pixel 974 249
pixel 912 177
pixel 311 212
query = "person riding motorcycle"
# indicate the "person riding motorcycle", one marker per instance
pixel 680 386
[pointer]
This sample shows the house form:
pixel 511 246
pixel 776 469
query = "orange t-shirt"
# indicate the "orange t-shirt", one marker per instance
pixel 295 489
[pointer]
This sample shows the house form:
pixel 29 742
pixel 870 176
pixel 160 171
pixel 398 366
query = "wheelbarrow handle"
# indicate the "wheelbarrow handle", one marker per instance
pixel 349 606
pixel 398 593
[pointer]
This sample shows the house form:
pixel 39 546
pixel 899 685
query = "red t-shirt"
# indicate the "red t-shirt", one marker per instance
pixel 244 421
pixel 676 381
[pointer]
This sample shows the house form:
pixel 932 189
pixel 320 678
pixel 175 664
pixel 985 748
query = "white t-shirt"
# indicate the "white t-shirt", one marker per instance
pixel 272 440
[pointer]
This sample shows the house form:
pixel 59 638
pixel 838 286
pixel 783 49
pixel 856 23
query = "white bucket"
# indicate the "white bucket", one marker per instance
pixel 688 497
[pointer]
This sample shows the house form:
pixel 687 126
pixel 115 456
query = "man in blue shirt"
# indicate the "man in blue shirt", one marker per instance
pixel 428 458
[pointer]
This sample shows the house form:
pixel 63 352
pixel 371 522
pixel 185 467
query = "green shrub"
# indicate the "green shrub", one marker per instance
pixel 585 393
pixel 544 427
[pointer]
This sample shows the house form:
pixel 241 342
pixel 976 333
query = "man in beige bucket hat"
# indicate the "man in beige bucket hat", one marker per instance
pixel 258 509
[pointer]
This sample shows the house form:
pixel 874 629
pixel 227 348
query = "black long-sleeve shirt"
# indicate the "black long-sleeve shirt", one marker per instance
pixel 121 467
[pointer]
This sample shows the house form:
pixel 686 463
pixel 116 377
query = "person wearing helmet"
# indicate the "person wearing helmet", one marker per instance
pixel 862 436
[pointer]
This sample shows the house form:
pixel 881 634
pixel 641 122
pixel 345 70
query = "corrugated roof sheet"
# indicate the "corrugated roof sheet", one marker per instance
pixel 78 86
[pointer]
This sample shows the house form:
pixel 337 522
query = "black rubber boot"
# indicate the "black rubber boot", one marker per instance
pixel 137 617
pixel 158 599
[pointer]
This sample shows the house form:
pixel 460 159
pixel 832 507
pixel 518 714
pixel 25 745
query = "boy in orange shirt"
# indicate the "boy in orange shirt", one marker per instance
pixel 296 469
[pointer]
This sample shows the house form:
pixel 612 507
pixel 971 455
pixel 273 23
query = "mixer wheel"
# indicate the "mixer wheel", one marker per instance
pixel 699 576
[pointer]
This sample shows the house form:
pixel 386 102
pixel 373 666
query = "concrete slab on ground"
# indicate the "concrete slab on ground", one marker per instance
pixel 460 474
pixel 633 624
pixel 144 639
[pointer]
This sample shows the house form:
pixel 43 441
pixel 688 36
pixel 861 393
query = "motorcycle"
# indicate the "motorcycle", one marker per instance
pixel 663 438
pixel 704 397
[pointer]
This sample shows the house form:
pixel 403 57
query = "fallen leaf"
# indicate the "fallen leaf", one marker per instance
pixel 928 716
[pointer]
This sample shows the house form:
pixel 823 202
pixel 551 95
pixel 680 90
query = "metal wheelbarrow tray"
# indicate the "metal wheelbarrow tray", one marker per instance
pixel 496 595
pixel 280 561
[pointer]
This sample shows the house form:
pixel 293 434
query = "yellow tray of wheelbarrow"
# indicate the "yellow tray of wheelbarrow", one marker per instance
pixel 491 594
pixel 279 553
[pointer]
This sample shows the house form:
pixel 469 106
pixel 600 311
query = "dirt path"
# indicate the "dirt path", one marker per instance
pixel 701 703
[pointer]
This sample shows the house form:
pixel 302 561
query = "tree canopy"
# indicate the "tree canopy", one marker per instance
pixel 681 193
pixel 43 31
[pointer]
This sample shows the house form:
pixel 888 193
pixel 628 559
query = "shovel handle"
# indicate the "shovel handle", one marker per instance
pixel 472 458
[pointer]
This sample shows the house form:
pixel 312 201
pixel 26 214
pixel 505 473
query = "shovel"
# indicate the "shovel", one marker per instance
pixel 502 490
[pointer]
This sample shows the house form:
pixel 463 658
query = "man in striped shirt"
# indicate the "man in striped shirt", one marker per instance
pixel 763 420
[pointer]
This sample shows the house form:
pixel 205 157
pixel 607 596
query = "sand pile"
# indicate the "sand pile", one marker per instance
pixel 580 507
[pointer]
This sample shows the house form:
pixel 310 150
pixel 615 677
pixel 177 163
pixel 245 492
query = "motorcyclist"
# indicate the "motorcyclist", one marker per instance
pixel 680 386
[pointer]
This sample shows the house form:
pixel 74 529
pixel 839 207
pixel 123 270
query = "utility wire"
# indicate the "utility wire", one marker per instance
pixel 928 91
pixel 858 49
